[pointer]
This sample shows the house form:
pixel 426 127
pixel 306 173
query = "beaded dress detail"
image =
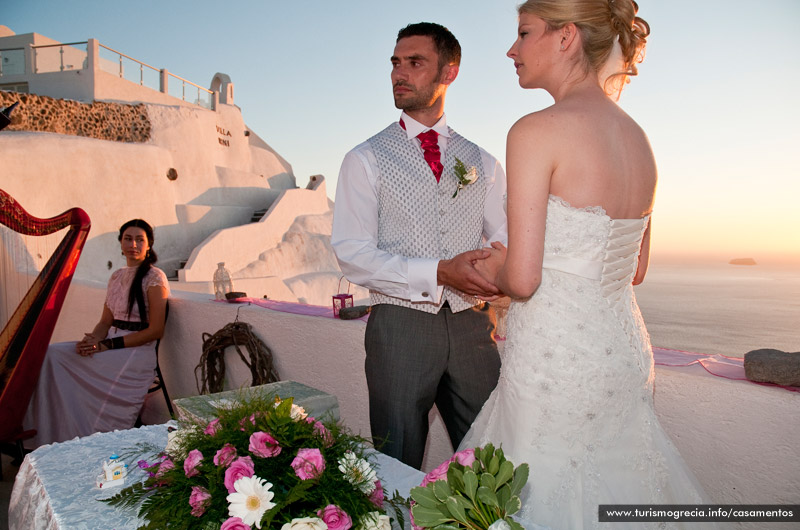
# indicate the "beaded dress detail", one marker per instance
pixel 575 395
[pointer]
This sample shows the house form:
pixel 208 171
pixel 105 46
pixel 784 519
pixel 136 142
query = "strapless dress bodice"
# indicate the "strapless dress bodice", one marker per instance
pixel 587 242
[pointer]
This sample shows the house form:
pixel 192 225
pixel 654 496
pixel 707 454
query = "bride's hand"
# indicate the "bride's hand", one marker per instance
pixel 488 267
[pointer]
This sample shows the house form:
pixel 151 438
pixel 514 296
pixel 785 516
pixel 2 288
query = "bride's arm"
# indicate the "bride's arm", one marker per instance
pixel 530 162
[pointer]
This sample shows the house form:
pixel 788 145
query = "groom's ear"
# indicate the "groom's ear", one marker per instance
pixel 448 74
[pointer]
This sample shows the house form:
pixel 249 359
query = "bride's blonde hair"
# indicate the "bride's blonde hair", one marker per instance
pixel 601 23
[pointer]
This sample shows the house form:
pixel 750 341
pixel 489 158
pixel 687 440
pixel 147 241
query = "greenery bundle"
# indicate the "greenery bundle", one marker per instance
pixel 476 489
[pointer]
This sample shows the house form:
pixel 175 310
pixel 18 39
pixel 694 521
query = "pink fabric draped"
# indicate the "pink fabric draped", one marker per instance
pixel 718 365
pixel 292 307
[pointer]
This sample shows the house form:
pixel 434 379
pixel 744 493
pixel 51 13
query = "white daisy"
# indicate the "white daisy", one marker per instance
pixel 358 472
pixel 251 499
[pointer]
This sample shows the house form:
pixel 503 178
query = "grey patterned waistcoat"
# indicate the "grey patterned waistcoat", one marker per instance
pixel 418 217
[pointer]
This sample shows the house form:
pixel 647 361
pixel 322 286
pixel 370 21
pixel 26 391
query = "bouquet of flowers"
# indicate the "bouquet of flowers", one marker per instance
pixel 261 462
pixel 477 489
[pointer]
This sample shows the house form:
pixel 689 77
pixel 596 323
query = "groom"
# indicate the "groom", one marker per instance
pixel 401 230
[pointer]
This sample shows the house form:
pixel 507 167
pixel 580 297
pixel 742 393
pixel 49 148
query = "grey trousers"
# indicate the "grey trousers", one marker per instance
pixel 415 359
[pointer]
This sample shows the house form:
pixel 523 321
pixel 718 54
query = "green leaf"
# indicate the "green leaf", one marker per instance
pixel 442 490
pixel 428 517
pixel 470 483
pixel 520 478
pixel 503 494
pixel 488 481
pixel 424 496
pixel 460 169
pixel 494 465
pixel 456 509
pixel 488 496
pixel 512 505
pixel 505 473
pixel 448 527
pixel 455 477
pixel 487 454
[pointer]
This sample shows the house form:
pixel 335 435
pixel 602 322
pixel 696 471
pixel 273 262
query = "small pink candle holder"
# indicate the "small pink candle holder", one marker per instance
pixel 342 299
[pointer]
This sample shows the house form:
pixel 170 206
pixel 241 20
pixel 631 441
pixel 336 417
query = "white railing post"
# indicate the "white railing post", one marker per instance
pixel 164 83
pixel 30 59
pixel 92 54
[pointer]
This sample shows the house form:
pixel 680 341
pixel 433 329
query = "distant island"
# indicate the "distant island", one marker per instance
pixel 742 261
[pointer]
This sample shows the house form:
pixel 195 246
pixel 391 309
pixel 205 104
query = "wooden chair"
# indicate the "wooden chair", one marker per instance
pixel 158 381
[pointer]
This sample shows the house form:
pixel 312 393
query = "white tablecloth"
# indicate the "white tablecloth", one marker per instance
pixel 55 486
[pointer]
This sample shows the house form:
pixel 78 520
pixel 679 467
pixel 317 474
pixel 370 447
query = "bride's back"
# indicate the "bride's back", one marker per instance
pixel 602 157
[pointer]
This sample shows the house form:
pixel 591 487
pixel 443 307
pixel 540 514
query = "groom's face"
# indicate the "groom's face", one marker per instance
pixel 417 80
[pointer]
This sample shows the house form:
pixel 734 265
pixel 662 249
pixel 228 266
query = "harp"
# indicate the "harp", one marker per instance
pixel 24 340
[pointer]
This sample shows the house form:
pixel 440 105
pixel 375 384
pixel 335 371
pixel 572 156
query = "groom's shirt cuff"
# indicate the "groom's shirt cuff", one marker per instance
pixel 422 285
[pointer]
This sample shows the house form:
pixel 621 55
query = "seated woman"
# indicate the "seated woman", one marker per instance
pixel 99 384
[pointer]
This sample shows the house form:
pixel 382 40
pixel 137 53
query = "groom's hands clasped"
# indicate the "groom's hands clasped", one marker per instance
pixel 461 272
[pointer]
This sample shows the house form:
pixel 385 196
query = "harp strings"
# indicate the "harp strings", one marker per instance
pixel 22 258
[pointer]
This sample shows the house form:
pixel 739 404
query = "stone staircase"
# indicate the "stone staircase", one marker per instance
pixel 256 217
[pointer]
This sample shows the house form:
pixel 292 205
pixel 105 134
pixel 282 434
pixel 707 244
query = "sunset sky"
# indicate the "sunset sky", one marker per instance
pixel 716 93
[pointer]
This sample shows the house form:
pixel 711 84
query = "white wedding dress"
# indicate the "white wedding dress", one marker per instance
pixel 575 395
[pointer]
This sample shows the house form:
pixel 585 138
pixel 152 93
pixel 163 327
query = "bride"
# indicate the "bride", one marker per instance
pixel 575 396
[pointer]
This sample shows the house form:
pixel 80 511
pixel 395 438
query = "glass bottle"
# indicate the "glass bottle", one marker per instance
pixel 222 281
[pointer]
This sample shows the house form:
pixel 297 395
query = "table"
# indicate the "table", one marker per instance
pixel 54 488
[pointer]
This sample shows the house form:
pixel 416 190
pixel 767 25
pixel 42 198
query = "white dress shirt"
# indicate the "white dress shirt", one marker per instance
pixel 355 223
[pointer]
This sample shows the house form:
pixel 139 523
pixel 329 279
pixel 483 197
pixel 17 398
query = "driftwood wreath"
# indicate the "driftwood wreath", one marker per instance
pixel 212 362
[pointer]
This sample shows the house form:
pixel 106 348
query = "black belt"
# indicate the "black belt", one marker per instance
pixel 129 326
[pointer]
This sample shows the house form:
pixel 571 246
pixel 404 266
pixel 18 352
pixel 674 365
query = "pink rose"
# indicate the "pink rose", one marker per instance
pixel 252 419
pixel 335 518
pixel 164 466
pixel 234 523
pixel 308 464
pixel 225 456
pixel 199 500
pixel 322 431
pixel 376 497
pixel 211 428
pixel 242 467
pixel 264 445
pixel 440 473
pixel 465 457
pixel 190 464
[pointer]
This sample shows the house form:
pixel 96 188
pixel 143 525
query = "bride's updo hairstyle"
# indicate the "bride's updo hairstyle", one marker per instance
pixel 601 23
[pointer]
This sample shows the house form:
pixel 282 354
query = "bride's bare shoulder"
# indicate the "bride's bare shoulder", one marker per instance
pixel 535 122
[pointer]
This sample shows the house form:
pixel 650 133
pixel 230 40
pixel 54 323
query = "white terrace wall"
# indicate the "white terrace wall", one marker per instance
pixel 200 170
pixel 739 437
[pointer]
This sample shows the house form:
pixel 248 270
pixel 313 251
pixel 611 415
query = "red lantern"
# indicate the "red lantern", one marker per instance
pixel 342 299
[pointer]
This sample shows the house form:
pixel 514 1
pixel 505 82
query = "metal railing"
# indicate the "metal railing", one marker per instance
pixel 204 96
pixel 12 61
pixel 150 76
pixel 65 57
pixel 59 57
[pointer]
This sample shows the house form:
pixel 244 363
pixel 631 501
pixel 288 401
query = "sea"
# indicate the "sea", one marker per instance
pixel 720 308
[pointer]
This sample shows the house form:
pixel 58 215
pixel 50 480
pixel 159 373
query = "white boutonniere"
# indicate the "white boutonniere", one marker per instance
pixel 465 176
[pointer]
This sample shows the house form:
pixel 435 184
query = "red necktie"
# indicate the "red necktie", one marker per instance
pixel 429 141
pixel 430 149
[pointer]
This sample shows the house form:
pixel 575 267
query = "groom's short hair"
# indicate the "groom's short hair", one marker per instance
pixel 446 44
